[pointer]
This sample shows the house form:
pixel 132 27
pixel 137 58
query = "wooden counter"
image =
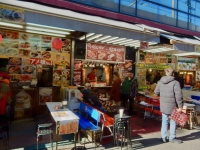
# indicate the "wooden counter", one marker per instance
pixel 101 89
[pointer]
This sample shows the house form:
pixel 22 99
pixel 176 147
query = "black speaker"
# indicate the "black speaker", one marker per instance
pixel 129 53
pixel 79 50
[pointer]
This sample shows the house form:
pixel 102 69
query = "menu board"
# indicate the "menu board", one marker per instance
pixel 77 64
pixel 26 51
pixel 186 66
pixel 65 77
pixel 57 77
pixel 104 52
pixel 39 61
pixel 153 66
pixel 77 77
pixel 149 60
pixel 127 65
pixel 78 72
pixel 33 46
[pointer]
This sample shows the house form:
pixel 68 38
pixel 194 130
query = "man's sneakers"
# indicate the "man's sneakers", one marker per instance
pixel 165 140
pixel 175 141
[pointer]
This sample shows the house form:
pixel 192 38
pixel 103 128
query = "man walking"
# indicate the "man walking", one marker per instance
pixel 170 97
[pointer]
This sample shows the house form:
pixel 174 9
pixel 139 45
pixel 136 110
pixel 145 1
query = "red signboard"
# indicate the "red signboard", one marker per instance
pixel 39 61
pixel 107 53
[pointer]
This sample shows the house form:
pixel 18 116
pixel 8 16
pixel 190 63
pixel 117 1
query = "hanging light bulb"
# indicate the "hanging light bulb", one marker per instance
pixel 90 65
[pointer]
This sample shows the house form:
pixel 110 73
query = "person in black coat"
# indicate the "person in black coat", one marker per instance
pixel 157 77
pixel 92 99
pixel 179 79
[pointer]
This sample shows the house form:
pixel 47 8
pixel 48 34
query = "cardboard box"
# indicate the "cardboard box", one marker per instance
pixel 89 134
pixel 19 113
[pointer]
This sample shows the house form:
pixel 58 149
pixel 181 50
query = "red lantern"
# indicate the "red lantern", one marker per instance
pixel 57 44
pixel 0 38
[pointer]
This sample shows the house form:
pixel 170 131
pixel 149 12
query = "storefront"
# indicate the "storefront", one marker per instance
pixel 39 54
pixel 181 54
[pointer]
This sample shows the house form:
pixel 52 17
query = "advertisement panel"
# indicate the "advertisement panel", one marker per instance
pixel 104 52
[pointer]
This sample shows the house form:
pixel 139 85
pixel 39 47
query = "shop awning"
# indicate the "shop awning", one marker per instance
pixel 196 37
pixel 183 40
pixel 61 18
pixel 149 29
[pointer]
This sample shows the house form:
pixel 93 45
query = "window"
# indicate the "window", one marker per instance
pixel 156 13
pixel 128 7
pixel 169 3
pixel 194 23
pixel 182 20
pixel 194 8
pixel 183 5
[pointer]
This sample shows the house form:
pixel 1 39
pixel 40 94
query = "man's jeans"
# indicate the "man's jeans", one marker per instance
pixel 164 128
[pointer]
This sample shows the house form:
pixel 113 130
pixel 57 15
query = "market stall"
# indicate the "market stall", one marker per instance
pixel 151 64
pixel 106 59
pixel 34 62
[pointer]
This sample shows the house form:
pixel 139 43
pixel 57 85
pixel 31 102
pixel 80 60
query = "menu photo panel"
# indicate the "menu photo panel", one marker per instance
pixel 105 52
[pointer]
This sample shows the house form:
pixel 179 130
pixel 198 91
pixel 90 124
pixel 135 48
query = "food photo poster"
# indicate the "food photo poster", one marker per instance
pixel 45 95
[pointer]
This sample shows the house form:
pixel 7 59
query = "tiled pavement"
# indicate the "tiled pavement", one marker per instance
pixel 141 139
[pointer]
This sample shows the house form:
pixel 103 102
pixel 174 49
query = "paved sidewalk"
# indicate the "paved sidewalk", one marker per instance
pixel 191 141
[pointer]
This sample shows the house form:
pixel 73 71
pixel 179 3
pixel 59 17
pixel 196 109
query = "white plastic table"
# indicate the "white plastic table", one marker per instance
pixel 66 121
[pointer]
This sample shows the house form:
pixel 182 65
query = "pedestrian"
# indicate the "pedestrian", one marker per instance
pixel 179 79
pixel 129 91
pixel 116 88
pixel 86 91
pixel 157 77
pixel 170 97
pixel 5 93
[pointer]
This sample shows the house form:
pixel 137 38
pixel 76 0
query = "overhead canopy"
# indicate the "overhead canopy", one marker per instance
pixel 152 29
pixel 184 40
pixel 62 18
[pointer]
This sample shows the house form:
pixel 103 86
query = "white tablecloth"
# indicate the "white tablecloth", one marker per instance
pixel 67 119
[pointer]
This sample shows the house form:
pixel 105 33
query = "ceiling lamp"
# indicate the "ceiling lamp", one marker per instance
pixel 133 45
pixel 86 36
pixel 109 39
pixel 102 38
pixel 49 27
pixel 48 30
pixel 120 39
pixel 94 37
pixel 118 42
pixel 45 33
pixel 11 25
pixel 130 42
